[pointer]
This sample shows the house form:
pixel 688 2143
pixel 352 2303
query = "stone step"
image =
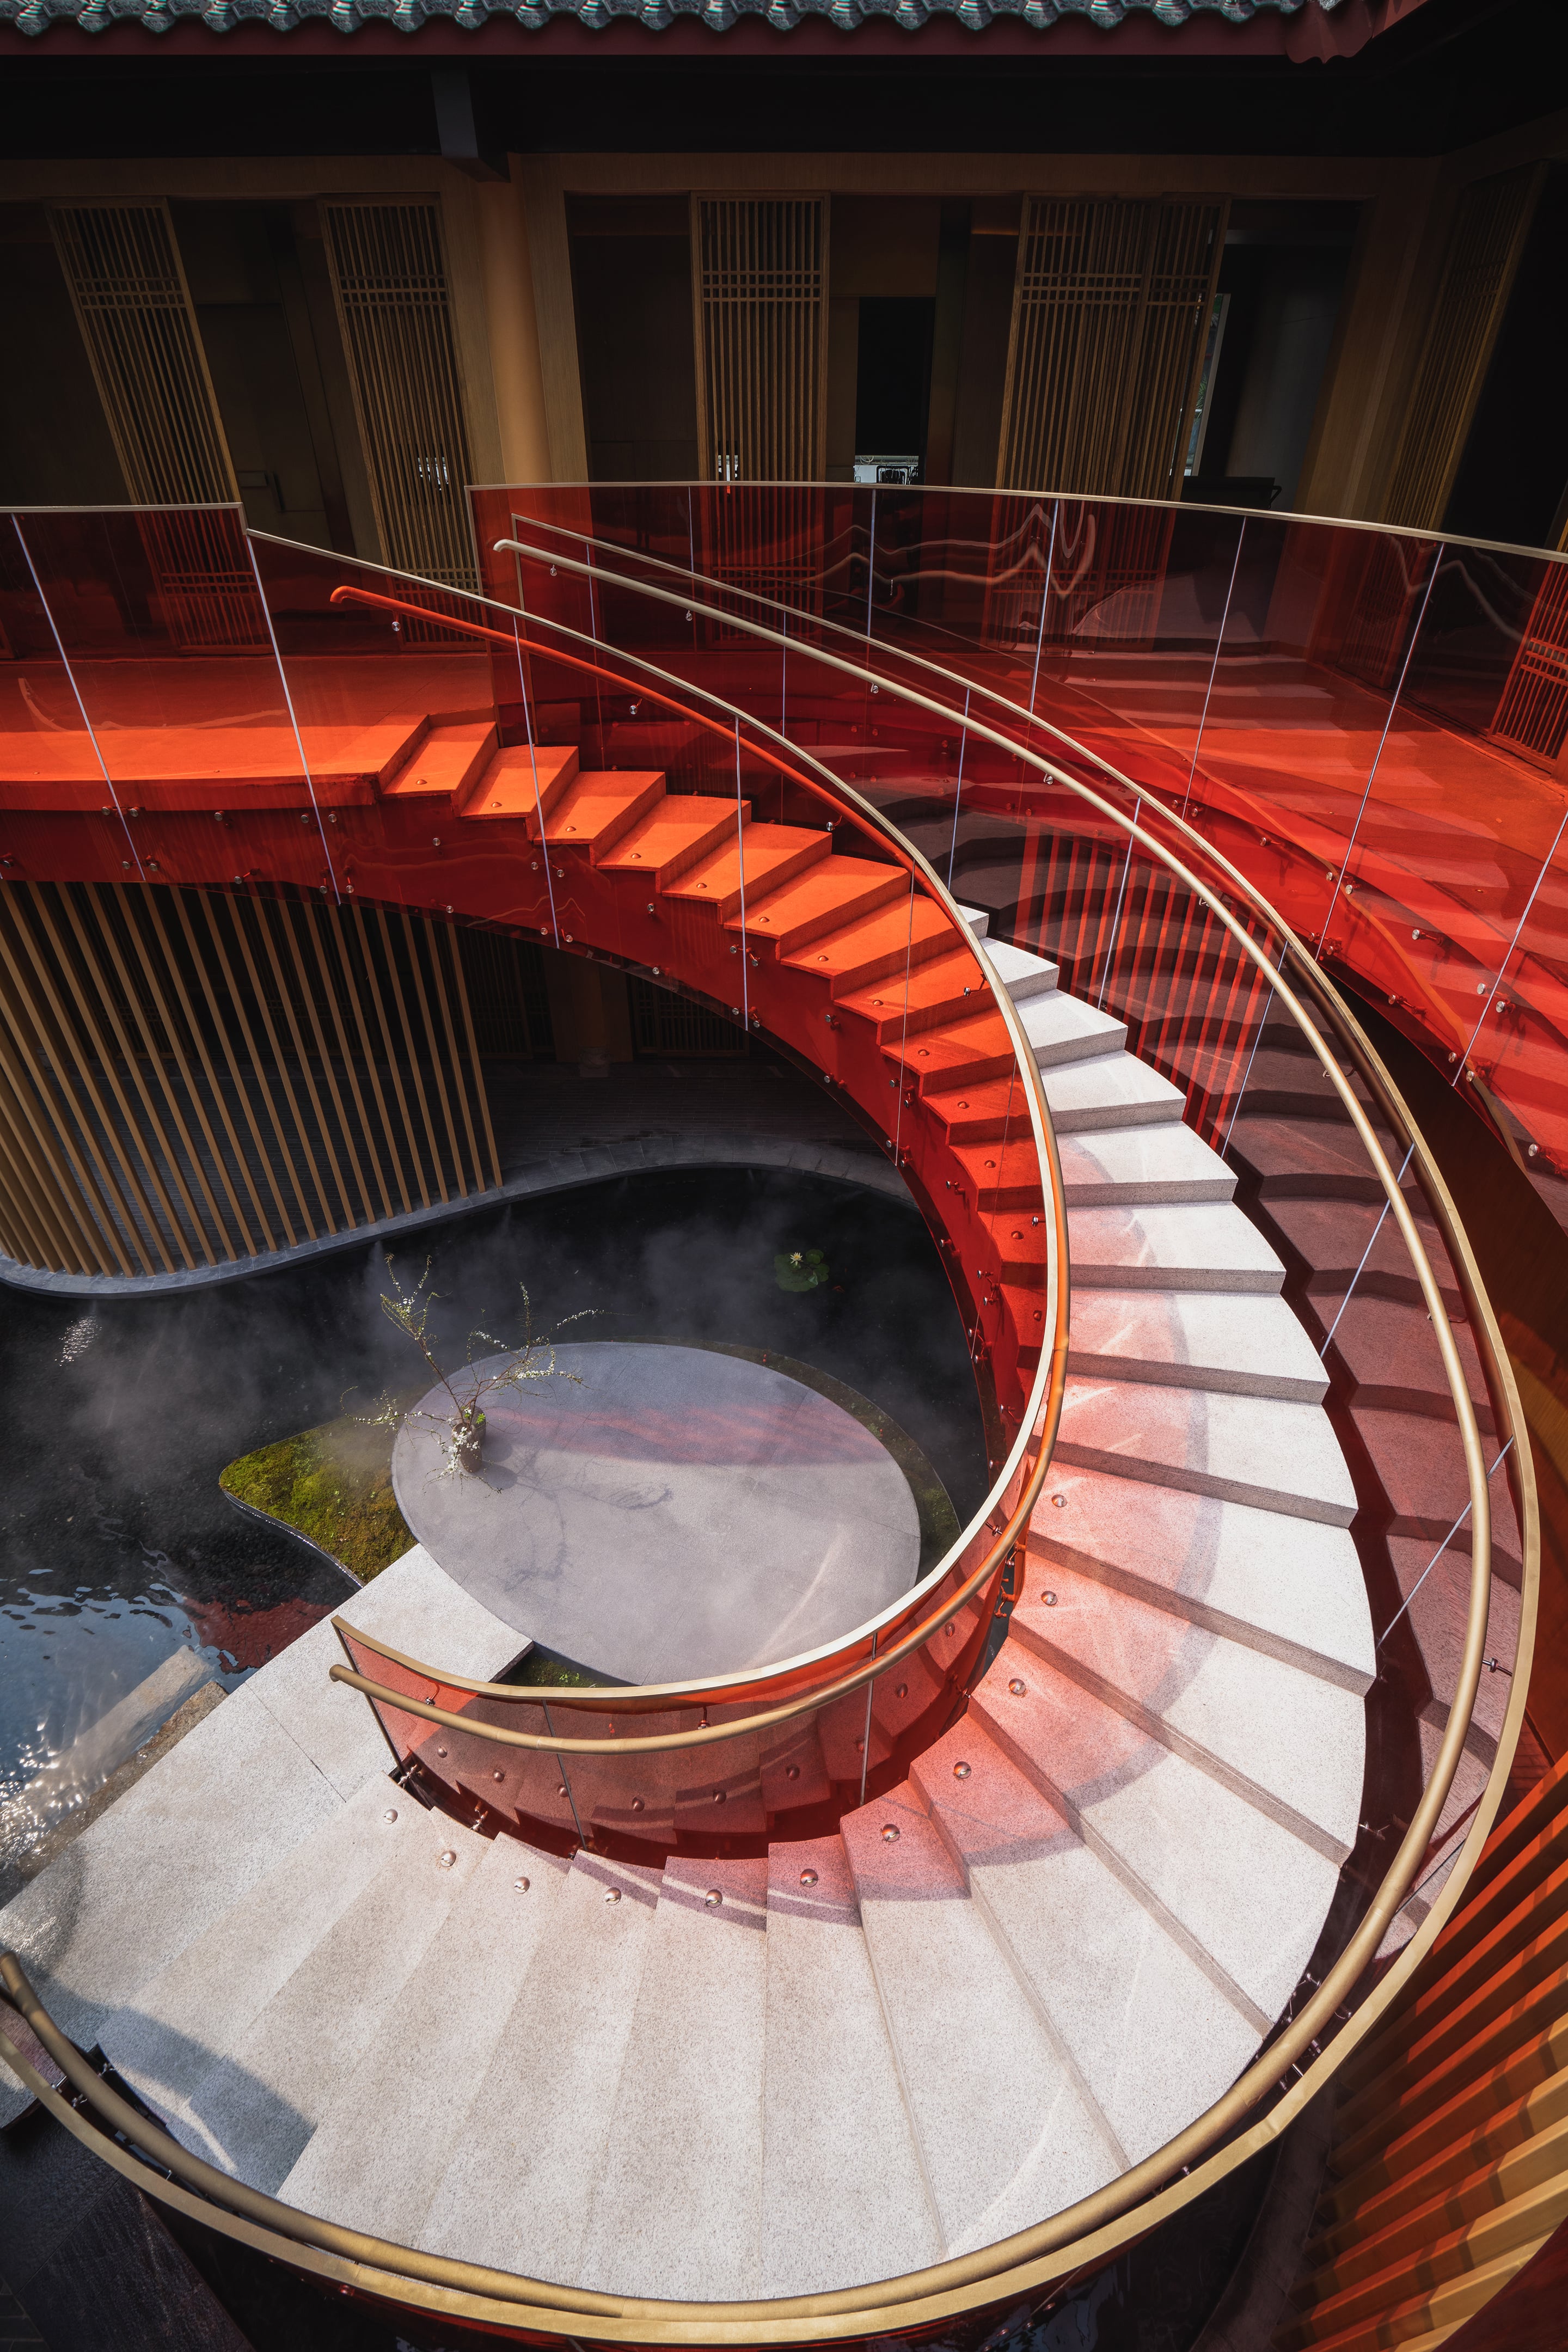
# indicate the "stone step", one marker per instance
pixel 1110 1090
pixel 1245 1897
pixel 516 2192
pixel 162 1865
pixel 1291 1588
pixel 1179 1245
pixel 1063 1028
pixel 376 2160
pixel 1119 1165
pixel 1022 973
pixel 1262 1451
pixel 1225 1341
pixel 676 2208
pixel 254 2109
pixel 1289 1742
pixel 832 2093
pixel 978 919
pixel 183 2020
pixel 1004 2130
pixel 1104 1971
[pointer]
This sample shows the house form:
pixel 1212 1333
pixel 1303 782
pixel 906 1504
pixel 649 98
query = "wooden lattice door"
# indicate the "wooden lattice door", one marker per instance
pixel 760 302
pixel 1110 309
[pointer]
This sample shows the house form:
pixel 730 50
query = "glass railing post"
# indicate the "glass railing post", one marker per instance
pixel 1353 836
pixel 1045 605
pixel 310 780
pixel 565 1779
pixel 77 698
pixel 1214 668
pixel 958 790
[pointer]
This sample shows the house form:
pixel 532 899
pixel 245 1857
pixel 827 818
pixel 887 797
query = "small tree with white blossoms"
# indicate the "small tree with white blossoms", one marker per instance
pixel 462 1428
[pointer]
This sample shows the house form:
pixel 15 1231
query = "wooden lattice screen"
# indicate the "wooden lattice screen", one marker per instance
pixel 389 275
pixel 1110 309
pixel 1483 255
pixel 760 285
pixel 1533 709
pixel 133 305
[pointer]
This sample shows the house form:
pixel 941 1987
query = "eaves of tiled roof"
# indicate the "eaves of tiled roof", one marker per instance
pixel 349 17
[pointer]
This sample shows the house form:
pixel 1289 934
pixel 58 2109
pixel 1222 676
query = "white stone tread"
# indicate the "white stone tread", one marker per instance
pixel 170 2036
pixel 1022 973
pixel 1235 1342
pixel 1290 1587
pixel 676 2208
pixel 162 1865
pixel 518 2189
pixel 1004 2130
pixel 1289 1742
pixel 376 2160
pixel 1063 1028
pixel 1153 2039
pixel 832 2093
pixel 1245 1897
pixel 414 1606
pixel 1109 1091
pixel 1261 1451
pixel 255 2109
pixel 1171 1245
pixel 1116 1166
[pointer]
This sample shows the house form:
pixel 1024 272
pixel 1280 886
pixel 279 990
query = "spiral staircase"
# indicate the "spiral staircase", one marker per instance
pixel 531 2064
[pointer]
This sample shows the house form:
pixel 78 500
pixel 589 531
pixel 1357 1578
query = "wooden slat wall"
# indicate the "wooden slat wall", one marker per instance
pixel 191 1080
pixel 1449 2163
pixel 1111 306
pixel 389 278
pixel 1483 254
pixel 759 300
pixel 133 305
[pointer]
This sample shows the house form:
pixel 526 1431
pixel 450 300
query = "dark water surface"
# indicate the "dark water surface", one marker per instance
pixel 116 1545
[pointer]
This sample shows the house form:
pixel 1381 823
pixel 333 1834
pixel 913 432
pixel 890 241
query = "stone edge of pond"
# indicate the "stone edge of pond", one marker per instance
pixel 63 1832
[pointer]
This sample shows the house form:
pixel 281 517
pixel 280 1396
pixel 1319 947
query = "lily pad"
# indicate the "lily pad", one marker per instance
pixel 801 1270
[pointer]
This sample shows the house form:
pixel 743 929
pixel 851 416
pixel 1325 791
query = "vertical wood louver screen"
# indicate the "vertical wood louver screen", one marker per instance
pixel 389 275
pixel 1483 255
pixel 187 1076
pixel 122 266
pixel 759 271
pixel 1532 710
pixel 1110 309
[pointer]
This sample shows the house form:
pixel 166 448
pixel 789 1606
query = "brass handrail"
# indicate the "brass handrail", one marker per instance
pixel 1042 1414
pixel 1091 2230
pixel 1414 1845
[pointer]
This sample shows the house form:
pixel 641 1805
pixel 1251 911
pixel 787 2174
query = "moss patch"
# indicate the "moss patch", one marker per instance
pixel 334 1487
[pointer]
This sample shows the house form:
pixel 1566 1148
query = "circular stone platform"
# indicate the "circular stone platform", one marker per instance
pixel 680 1514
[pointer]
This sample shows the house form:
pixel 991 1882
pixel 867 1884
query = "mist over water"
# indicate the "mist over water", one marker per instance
pixel 117 1546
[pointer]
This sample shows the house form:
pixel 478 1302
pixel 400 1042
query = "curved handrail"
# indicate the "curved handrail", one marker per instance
pixel 1042 1413
pixel 1087 2231
pixel 1414 1845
